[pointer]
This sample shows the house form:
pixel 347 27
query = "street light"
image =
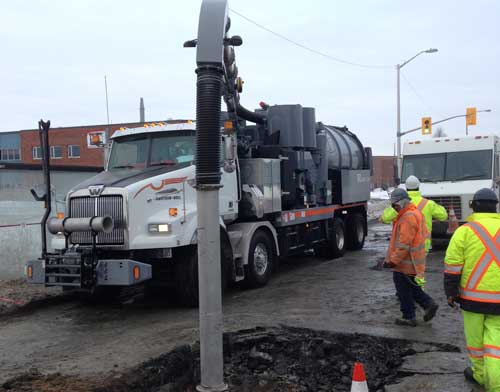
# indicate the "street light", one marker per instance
pixel 398 67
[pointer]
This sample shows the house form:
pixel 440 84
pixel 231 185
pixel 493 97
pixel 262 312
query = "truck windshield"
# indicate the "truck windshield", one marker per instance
pixel 451 166
pixel 137 152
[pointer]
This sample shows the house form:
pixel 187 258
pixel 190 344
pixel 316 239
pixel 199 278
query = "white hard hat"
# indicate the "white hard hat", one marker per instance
pixel 412 183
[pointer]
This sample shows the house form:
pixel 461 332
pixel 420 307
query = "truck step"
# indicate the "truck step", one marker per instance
pixel 62 266
pixel 63 275
pixel 62 284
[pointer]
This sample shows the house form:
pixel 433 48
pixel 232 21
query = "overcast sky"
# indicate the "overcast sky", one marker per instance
pixel 55 54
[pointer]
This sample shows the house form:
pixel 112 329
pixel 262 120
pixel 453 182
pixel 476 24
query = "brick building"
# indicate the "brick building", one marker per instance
pixel 383 171
pixel 70 146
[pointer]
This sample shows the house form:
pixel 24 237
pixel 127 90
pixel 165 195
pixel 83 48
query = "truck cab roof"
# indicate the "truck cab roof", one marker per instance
pixel 155 127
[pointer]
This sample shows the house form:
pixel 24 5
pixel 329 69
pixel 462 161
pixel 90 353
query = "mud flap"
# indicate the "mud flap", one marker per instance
pixel 122 272
pixel 35 271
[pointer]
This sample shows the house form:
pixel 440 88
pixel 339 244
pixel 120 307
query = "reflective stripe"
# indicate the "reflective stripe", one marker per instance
pixel 480 296
pixel 402 246
pixel 453 268
pixel 416 262
pixel 491 253
pixel 422 203
pixel 491 351
pixel 479 271
pixel 475 352
pixel 420 247
pixel 492 244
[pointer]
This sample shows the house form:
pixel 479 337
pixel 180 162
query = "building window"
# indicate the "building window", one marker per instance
pixel 9 154
pixel 73 151
pixel 56 152
pixel 37 153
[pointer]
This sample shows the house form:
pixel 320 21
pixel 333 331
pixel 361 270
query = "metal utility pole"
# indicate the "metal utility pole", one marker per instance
pixel 398 119
pixel 398 126
pixel 209 58
pixel 142 117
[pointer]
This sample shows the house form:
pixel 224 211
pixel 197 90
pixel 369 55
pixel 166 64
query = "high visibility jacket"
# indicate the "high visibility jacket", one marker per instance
pixel 472 264
pixel 429 208
pixel 407 245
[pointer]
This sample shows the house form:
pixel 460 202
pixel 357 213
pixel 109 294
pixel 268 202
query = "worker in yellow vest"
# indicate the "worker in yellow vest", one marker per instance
pixel 472 279
pixel 429 208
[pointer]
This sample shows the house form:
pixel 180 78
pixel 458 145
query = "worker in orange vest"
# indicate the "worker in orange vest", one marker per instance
pixel 429 208
pixel 407 256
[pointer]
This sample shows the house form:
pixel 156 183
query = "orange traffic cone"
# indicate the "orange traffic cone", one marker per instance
pixel 359 378
pixel 452 220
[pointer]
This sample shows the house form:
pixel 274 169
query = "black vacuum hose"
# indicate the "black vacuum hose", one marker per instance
pixel 208 143
pixel 246 114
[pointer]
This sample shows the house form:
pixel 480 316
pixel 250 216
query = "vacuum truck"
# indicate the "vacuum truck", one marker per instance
pixel 289 184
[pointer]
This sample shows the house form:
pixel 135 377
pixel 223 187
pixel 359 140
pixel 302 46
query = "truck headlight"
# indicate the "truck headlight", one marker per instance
pixel 159 228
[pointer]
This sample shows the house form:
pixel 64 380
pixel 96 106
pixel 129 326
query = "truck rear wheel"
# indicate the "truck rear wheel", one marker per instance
pixel 260 260
pixel 355 229
pixel 337 242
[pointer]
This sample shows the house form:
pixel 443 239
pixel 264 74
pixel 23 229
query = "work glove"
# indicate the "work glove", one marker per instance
pixel 389 264
pixel 453 302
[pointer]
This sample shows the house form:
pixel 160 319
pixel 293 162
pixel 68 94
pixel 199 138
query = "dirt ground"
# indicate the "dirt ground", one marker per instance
pixel 92 343
pixel 18 295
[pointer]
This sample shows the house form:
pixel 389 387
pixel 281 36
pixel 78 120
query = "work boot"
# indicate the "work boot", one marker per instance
pixel 430 312
pixel 469 375
pixel 406 322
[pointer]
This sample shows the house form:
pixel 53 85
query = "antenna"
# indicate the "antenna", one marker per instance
pixel 106 90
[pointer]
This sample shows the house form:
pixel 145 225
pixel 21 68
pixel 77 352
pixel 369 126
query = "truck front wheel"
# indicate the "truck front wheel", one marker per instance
pixel 260 260
pixel 186 274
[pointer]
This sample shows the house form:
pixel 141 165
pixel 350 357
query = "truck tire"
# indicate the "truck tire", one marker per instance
pixel 355 230
pixel 186 277
pixel 260 260
pixel 187 274
pixel 337 242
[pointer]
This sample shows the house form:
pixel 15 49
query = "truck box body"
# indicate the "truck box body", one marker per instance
pixel 452 169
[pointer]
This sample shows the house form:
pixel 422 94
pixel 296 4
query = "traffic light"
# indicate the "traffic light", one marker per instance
pixel 426 125
pixel 470 118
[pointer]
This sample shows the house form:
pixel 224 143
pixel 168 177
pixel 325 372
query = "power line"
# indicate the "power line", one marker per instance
pixel 417 94
pixel 325 55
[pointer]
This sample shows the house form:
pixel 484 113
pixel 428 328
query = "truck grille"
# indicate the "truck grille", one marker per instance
pixel 450 201
pixel 86 206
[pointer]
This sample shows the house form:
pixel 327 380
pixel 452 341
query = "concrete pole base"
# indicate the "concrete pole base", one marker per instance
pixel 221 388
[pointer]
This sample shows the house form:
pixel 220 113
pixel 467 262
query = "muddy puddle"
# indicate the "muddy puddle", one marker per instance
pixel 259 360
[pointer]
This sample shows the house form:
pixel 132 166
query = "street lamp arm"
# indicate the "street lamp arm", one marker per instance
pixel 411 59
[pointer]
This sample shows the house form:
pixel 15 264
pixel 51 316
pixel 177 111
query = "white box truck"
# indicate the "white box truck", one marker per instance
pixel 451 170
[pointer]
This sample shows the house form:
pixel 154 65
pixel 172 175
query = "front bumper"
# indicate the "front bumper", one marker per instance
pixel 66 271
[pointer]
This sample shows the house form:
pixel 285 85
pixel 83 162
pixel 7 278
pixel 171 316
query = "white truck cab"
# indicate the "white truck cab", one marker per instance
pixel 452 169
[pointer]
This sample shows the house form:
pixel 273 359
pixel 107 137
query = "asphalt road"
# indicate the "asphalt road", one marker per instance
pixel 342 295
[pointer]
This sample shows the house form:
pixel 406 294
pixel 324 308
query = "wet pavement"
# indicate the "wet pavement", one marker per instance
pixel 342 295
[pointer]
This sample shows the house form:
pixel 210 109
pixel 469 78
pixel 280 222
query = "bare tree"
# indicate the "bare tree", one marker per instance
pixel 439 132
